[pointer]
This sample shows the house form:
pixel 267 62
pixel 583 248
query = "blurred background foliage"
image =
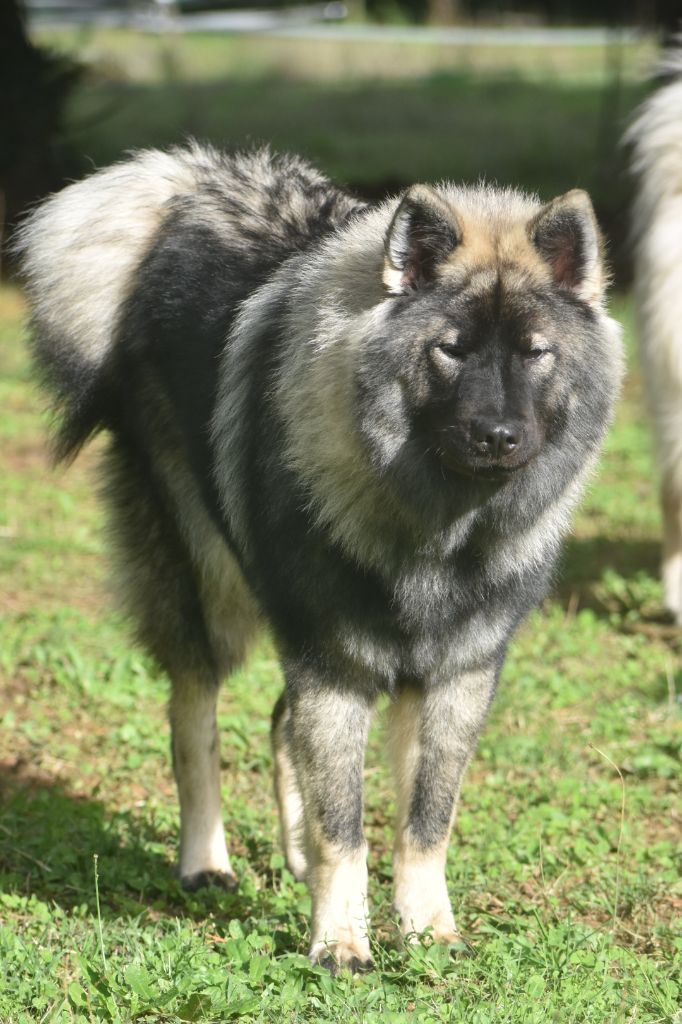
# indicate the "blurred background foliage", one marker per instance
pixel 386 93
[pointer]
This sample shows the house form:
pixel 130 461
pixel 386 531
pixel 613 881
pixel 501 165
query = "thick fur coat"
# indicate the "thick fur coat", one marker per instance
pixel 364 427
pixel 656 140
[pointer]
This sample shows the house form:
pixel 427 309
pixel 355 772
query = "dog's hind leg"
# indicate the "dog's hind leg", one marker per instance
pixel 432 736
pixel 287 791
pixel 671 507
pixel 196 763
pixel 328 733
pixel 173 605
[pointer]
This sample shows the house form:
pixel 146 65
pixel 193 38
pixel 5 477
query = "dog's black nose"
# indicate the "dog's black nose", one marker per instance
pixel 494 439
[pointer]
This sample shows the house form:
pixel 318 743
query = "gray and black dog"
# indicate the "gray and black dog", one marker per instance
pixel 362 427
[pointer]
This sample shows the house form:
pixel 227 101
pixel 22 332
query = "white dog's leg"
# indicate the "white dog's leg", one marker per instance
pixel 196 762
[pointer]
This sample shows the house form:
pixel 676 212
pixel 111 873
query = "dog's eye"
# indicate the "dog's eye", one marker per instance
pixel 537 353
pixel 451 350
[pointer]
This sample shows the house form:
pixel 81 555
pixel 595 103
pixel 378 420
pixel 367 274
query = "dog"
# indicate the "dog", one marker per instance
pixel 656 140
pixel 363 427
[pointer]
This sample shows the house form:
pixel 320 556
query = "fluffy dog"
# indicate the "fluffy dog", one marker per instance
pixel 363 427
pixel 656 139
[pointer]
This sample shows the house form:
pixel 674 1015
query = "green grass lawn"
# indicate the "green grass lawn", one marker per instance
pixel 564 866
pixel 374 115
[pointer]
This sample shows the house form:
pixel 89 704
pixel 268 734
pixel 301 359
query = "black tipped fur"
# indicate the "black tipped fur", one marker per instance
pixel 365 428
pixel 209 880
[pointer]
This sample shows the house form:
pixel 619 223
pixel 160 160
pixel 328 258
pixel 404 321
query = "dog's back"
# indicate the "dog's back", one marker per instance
pixel 168 243
pixel 656 137
pixel 134 277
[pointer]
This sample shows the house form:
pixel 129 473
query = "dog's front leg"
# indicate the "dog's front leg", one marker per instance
pixel 327 736
pixel 432 735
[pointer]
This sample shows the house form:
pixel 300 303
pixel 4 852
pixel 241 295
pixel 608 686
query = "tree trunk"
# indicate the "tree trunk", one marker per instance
pixel 444 12
pixel 34 86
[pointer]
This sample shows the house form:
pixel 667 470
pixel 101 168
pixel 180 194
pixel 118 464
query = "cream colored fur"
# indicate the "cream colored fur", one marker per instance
pixel 196 759
pixel 656 138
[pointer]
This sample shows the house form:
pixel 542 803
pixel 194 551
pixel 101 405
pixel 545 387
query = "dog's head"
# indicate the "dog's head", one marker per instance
pixel 490 332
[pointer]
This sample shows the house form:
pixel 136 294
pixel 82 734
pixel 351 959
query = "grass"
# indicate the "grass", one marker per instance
pixel 376 115
pixel 133 55
pixel 564 869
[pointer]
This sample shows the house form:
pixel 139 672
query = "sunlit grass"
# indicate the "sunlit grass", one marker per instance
pixel 573 911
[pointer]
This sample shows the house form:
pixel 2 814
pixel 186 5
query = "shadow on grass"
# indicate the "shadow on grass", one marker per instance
pixel 584 562
pixel 50 837
pixel 618 581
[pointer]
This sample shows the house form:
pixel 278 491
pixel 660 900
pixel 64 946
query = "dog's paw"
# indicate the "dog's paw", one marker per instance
pixel 439 927
pixel 342 956
pixel 443 936
pixel 297 864
pixel 209 879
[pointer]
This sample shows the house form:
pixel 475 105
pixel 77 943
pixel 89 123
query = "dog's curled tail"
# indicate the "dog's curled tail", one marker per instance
pixel 78 252
pixel 655 140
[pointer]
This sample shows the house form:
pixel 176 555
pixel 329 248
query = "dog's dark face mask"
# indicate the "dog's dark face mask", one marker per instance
pixel 487 326
pixel 482 418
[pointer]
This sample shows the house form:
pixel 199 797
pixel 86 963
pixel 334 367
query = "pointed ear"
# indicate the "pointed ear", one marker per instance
pixel 422 234
pixel 566 234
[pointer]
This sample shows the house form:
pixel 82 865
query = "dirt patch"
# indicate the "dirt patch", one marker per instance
pixel 26 456
pixel 12 304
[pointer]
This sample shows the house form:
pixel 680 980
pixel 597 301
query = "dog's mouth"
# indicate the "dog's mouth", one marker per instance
pixel 460 454
pixel 480 469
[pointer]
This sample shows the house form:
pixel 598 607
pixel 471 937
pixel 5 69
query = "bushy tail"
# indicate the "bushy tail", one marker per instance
pixel 78 252
pixel 655 138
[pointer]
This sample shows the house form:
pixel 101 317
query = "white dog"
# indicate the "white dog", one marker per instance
pixel 656 138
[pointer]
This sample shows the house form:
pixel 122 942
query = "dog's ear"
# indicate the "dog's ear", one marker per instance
pixel 566 235
pixel 422 234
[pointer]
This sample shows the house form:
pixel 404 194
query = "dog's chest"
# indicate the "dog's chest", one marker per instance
pixel 433 619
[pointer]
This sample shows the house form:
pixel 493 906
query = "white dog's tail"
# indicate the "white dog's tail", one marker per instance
pixel 78 252
pixel 656 140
